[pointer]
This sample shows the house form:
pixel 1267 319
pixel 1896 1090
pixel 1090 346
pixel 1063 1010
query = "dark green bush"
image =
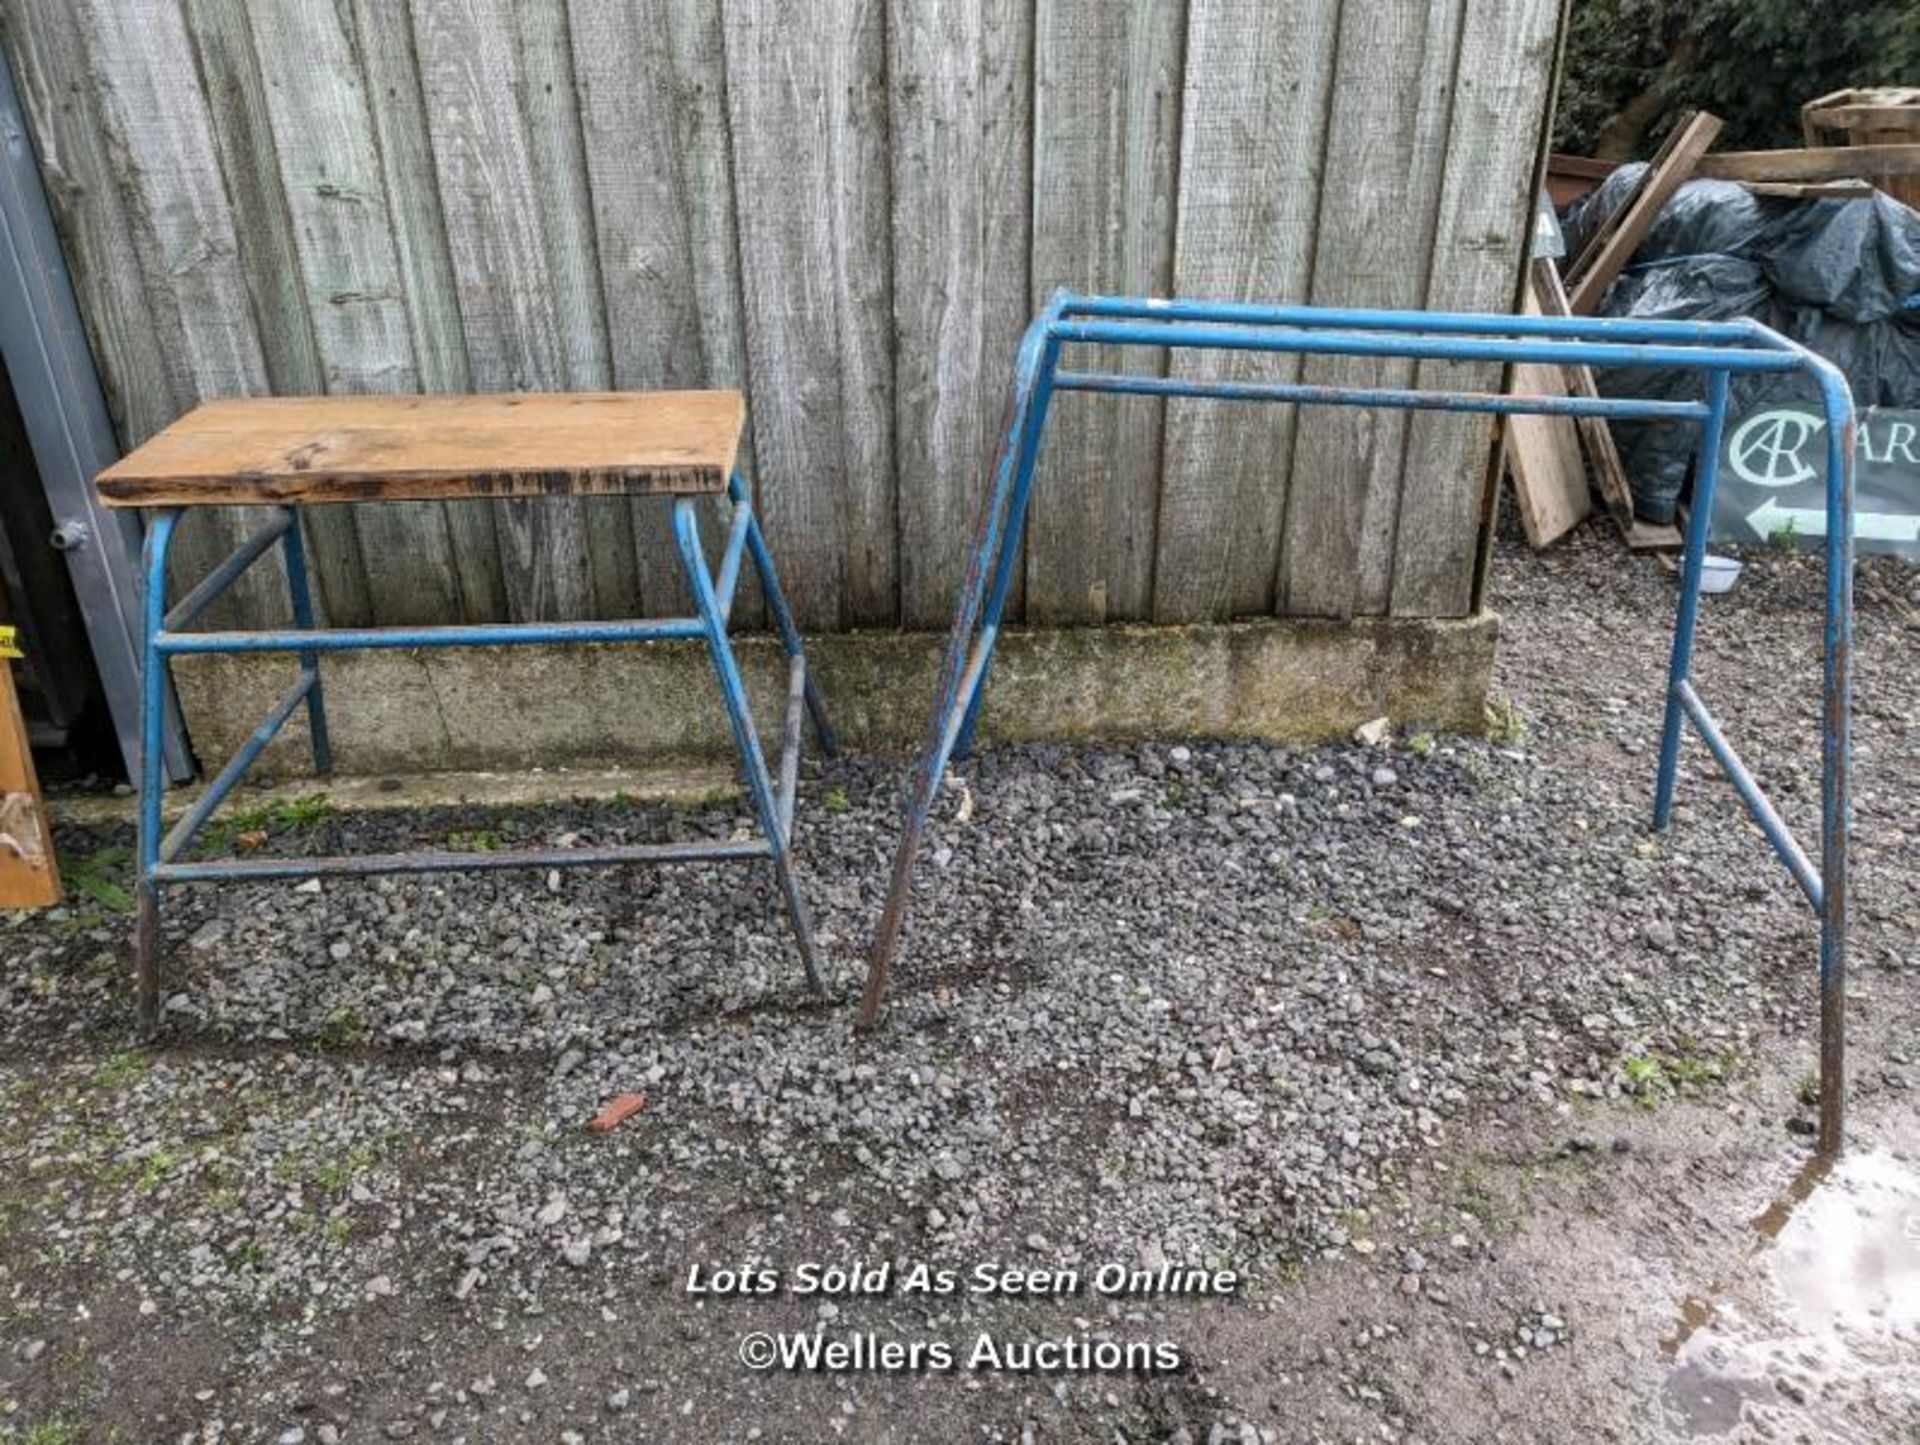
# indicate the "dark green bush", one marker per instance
pixel 1634 65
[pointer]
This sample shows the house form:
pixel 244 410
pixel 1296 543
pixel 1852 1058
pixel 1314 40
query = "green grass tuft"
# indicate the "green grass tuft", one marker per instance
pixel 1505 723
pixel 102 875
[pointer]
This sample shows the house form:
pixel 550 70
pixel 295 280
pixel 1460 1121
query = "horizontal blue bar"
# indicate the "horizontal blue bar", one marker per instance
pixel 1770 821
pixel 479 634
pixel 195 817
pixel 364 864
pixel 1469 401
pixel 1596 328
pixel 1213 337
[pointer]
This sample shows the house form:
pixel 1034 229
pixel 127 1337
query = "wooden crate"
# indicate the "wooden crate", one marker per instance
pixel 1862 117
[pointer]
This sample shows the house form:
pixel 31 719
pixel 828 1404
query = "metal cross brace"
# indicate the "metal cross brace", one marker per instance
pixel 164 635
pixel 1717 350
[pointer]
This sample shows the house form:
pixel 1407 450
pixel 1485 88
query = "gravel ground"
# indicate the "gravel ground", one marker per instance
pixel 1431 1043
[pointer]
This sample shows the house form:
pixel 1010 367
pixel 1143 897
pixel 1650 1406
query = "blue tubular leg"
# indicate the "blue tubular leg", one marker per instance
pixel 746 738
pixel 152 781
pixel 782 614
pixel 1027 454
pixel 959 679
pixel 302 598
pixel 731 556
pixel 1836 749
pixel 1706 474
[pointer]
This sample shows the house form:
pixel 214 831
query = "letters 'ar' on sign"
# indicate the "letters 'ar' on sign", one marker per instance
pixel 1773 480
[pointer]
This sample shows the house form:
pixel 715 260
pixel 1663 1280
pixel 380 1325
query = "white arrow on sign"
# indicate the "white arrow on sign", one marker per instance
pixel 1770 517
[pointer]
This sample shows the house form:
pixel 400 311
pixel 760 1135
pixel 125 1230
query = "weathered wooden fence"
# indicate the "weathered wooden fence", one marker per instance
pixel 848 207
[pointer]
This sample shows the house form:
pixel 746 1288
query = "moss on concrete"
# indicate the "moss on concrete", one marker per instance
pixel 505 708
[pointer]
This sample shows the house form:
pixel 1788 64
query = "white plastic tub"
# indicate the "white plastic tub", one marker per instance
pixel 1718 574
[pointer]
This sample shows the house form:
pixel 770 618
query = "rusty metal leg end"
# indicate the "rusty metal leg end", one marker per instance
pixel 797 914
pixel 886 939
pixel 146 959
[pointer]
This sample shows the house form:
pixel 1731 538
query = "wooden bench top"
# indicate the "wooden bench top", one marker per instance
pixel 427 448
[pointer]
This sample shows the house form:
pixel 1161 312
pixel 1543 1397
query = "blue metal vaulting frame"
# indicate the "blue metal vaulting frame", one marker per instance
pixel 164 635
pixel 1719 350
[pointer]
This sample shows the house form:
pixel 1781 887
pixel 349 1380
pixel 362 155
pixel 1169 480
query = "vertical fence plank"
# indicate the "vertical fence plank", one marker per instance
pixel 469 74
pixel 1479 246
pixel 1106 145
pixel 330 172
pixel 809 136
pixel 1256 96
pixel 384 33
pixel 243 131
pixel 706 159
pixel 550 104
pixel 960 82
pixel 1385 157
pixel 52 51
pixel 161 141
pixel 629 95
pixel 651 84
pixel 52 65
pixel 243 135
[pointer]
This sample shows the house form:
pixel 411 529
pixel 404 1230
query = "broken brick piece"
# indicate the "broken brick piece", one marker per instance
pixel 617 1111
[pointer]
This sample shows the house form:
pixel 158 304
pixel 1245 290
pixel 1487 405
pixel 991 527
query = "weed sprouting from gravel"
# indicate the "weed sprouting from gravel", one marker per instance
pixel 1505 724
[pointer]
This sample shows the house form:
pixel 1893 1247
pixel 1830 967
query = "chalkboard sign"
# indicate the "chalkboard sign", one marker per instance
pixel 1773 471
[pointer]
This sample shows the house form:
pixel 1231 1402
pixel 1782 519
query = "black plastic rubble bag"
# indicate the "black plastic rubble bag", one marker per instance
pixel 1840 276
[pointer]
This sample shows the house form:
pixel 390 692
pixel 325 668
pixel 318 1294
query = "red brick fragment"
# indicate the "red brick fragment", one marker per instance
pixel 617 1111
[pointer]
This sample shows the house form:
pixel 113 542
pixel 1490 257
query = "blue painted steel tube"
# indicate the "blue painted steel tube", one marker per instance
pixel 924 784
pixel 1623 409
pixel 153 692
pixel 787 790
pixel 1706 473
pixel 182 833
pixel 783 615
pixel 1028 453
pixel 1213 337
pixel 1778 834
pixel 228 572
pixel 966 705
pixel 478 634
pixel 733 689
pixel 746 737
pixel 1836 744
pixel 1760 334
pixel 362 865
pixel 736 551
pixel 1431 323
pixel 300 596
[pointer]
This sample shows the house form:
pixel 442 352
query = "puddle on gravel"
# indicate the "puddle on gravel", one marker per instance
pixel 1831 1293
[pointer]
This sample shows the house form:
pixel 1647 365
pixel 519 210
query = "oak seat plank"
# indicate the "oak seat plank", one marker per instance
pixel 424 448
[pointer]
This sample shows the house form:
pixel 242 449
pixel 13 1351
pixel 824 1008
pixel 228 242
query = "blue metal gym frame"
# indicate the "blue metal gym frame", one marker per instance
pixel 1718 349
pixel 164 636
